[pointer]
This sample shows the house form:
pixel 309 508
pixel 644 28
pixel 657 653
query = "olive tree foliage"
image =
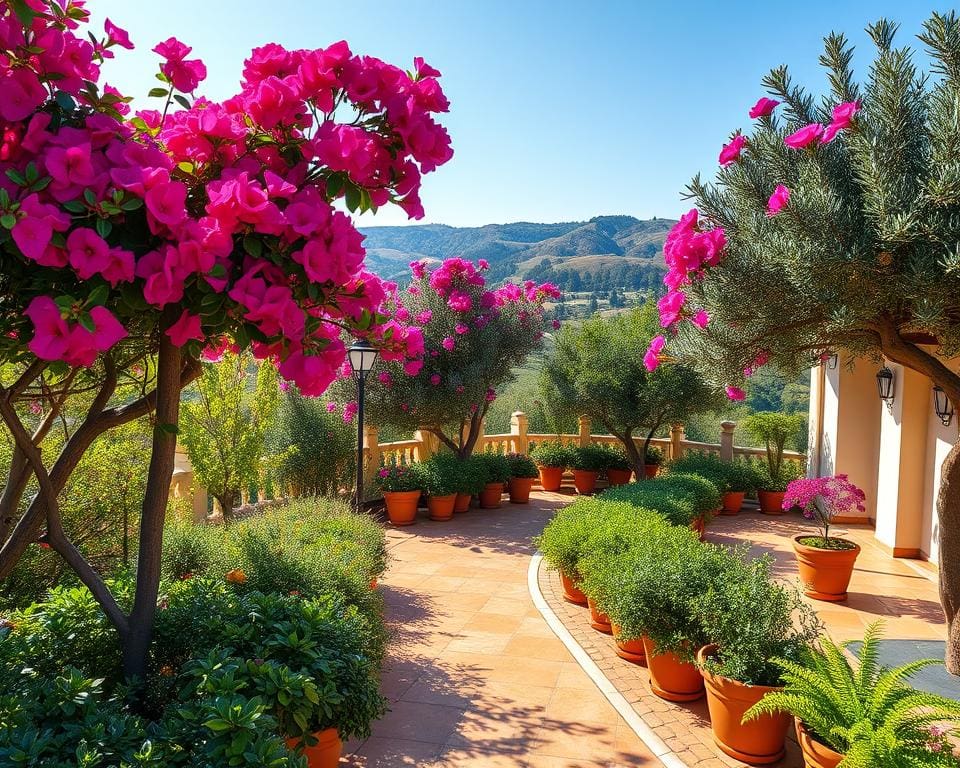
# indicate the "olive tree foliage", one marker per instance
pixel 597 369
pixel 865 255
pixel 224 429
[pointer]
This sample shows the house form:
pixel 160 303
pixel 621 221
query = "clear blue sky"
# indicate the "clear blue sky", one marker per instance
pixel 561 110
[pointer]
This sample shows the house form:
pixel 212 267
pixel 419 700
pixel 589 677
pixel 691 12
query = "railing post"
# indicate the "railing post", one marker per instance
pixel 584 422
pixel 677 436
pixel 429 443
pixel 518 431
pixel 371 450
pixel 726 440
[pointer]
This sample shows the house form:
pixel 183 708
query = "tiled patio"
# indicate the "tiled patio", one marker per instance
pixel 476 677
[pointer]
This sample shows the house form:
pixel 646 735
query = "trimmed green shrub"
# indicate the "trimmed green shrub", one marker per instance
pixel 564 538
pixel 679 498
pixel 654 456
pixel 471 475
pixel 753 620
pixel 790 469
pixel 521 465
pixel 707 465
pixel 494 467
pixel 551 453
pixel 440 474
pixel 591 458
pixel 398 478
pixel 742 476
pixel 616 458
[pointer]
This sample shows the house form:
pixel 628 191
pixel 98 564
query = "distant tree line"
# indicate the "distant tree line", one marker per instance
pixel 627 276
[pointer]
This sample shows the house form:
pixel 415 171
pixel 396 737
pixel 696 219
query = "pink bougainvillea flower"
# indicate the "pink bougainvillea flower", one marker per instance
pixel 424 317
pixel 652 358
pixel 670 307
pixel 731 152
pixel 843 115
pixel 331 407
pixel 490 396
pixel 700 318
pixel 116 35
pixel 186 328
pixel 50 331
pixel 805 136
pixel 349 411
pixel 412 367
pixel 736 394
pixel 435 379
pixel 763 107
pixel 448 343
pixel 778 200
pixel 461 329
pixel 556 325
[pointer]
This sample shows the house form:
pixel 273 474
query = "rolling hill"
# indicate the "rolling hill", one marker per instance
pixel 603 253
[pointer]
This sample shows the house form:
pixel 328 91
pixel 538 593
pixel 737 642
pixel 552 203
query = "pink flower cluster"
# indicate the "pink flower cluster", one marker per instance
pixel 823 498
pixel 843 115
pixel 223 212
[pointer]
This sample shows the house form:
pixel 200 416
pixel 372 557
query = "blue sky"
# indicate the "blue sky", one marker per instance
pixel 560 110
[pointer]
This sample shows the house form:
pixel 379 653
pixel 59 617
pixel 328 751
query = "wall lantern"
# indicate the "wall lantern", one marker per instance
pixel 832 361
pixel 885 384
pixel 943 406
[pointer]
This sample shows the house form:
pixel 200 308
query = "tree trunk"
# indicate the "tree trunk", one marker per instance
pixel 227 501
pixel 153 512
pixel 948 513
pixel 632 452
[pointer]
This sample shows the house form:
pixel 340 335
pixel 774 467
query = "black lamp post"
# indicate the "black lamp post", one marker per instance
pixel 362 356
pixel 942 405
pixel 885 384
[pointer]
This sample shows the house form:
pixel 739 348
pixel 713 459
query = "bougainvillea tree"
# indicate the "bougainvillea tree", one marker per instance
pixel 140 242
pixel 474 336
pixel 598 369
pixel 835 224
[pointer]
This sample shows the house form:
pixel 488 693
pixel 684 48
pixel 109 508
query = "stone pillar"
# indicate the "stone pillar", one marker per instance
pixel 726 439
pixel 518 430
pixel 371 450
pixel 900 482
pixel 677 436
pixel 584 439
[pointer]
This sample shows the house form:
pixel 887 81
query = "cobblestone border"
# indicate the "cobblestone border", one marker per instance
pixel 667 757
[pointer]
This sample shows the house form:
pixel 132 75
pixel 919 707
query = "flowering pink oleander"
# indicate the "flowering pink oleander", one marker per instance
pixel 823 498
pixel 214 223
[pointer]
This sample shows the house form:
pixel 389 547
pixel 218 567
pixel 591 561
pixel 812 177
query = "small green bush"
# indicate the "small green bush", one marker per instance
pixel 495 467
pixel 398 478
pixel 440 474
pixel 521 465
pixel 707 465
pixel 743 476
pixel 471 475
pixel 679 498
pixel 617 458
pixel 192 548
pixel 654 456
pixel 564 538
pixel 590 458
pixel 775 431
pixel 790 469
pixel 551 453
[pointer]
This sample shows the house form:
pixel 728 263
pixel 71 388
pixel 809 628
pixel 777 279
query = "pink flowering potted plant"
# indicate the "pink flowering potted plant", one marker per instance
pixel 825 562
pixel 401 488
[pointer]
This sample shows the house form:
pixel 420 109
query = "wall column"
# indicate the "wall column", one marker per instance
pixel 726 440
pixel 584 422
pixel 900 483
pixel 518 431
pixel 678 434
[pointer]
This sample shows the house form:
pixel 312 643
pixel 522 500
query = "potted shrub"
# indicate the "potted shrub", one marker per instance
pixel 825 562
pixel 742 479
pixel 495 470
pixel 684 499
pixel 660 581
pixel 563 540
pixel 586 463
pixel 652 461
pixel 883 721
pixel 439 480
pixel 523 471
pixel 470 481
pixel 750 619
pixel 774 430
pixel 619 468
pixel 552 458
pixel 400 486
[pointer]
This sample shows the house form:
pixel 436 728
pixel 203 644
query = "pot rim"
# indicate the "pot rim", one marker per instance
pixel 808 548
pixel 709 650
pixel 804 733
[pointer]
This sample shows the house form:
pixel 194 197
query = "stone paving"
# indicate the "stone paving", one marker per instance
pixel 477 678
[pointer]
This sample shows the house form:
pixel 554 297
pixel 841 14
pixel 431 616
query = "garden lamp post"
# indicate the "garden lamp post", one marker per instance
pixel 362 356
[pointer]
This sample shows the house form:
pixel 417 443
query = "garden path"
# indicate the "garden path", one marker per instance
pixel 475 675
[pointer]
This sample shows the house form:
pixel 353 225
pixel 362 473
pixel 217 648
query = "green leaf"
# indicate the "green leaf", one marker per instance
pixel 65 101
pixel 16 177
pixel 182 101
pixel 186 166
pixel 41 184
pixel 87 322
pixel 158 92
pixel 352 198
pixel 32 173
pixel 89 196
pixel 75 206
pixel 253 245
pixel 24 13
pixel 8 221
pixel 104 227
pixel 98 296
pixel 133 204
pixel 334 185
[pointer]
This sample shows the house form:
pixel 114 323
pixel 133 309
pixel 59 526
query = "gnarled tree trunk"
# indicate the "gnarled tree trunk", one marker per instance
pixel 948 513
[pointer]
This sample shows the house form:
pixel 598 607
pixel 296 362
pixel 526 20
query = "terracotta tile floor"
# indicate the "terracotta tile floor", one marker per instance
pixel 475 676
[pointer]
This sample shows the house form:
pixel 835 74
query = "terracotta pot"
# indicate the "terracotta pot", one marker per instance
pixel 732 502
pixel 571 592
pixel 585 481
pixel 771 502
pixel 631 650
pixel 491 495
pixel 815 753
pixel 650 471
pixel 598 620
pixel 325 753
pixel 441 507
pixel 520 489
pixel 825 573
pixel 619 476
pixel 401 506
pixel 757 742
pixel 551 478
pixel 700 527
pixel 670 678
pixel 462 504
